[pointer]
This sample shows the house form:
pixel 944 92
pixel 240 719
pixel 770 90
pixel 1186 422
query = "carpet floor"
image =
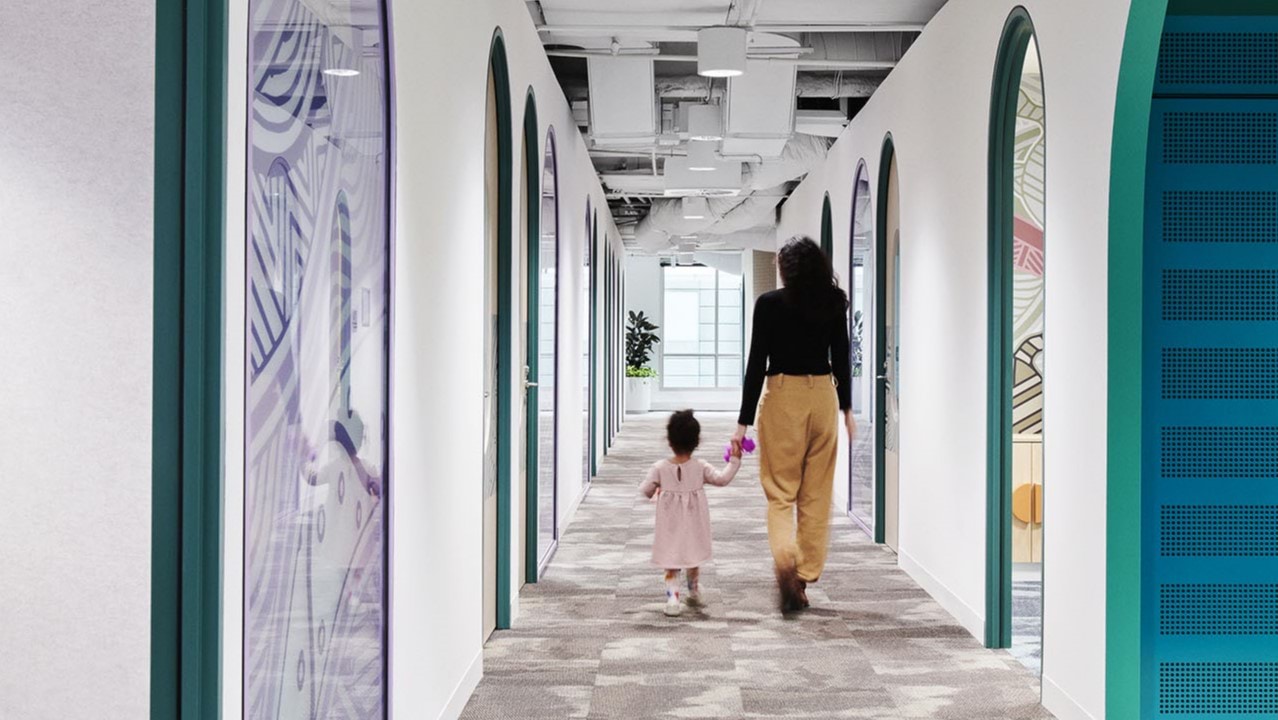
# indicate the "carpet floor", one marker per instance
pixel 591 640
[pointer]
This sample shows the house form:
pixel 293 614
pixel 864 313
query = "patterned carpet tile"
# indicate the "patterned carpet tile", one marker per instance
pixel 591 640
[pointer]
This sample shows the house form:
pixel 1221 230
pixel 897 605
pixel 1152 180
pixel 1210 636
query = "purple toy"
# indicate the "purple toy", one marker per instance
pixel 747 445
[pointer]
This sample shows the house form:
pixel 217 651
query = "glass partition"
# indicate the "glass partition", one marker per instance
pixel 316 406
pixel 547 354
pixel 861 488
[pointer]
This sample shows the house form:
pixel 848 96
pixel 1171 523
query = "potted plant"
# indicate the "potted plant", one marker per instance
pixel 640 339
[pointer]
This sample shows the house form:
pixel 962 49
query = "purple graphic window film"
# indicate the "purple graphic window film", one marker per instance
pixel 316 331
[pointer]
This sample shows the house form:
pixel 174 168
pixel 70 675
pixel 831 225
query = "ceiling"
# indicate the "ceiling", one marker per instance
pixel 821 58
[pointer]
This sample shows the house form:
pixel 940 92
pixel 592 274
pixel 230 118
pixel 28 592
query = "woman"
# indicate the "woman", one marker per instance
pixel 800 346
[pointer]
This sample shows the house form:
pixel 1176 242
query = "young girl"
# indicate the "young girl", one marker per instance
pixel 682 540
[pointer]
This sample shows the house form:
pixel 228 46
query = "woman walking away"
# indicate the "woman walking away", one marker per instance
pixel 800 346
pixel 682 537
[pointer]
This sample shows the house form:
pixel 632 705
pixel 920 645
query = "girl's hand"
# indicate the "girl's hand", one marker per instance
pixel 736 449
pixel 850 422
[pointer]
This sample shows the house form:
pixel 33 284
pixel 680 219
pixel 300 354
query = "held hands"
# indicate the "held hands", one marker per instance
pixel 738 444
pixel 850 423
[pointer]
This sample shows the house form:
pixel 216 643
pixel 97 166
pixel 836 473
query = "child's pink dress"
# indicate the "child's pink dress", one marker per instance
pixel 682 537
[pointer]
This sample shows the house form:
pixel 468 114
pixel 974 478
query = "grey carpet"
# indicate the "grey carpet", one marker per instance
pixel 591 641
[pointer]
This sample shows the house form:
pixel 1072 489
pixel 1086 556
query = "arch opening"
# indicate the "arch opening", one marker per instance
pixel 1017 304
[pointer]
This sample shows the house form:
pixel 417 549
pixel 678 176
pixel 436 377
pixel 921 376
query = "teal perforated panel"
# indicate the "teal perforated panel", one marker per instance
pixel 1210 533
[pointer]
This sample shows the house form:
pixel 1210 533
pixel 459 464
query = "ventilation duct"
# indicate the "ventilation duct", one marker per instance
pixel 623 108
pixel 733 218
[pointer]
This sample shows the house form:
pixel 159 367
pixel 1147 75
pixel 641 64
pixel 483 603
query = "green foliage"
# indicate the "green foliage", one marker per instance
pixel 640 340
pixel 640 372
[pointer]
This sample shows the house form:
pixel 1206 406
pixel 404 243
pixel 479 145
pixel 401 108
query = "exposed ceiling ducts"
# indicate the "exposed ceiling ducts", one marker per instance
pixel 810 66
pixel 765 184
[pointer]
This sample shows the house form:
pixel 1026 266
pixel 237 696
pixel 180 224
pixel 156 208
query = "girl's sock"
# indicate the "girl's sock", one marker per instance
pixel 672 585
pixel 673 605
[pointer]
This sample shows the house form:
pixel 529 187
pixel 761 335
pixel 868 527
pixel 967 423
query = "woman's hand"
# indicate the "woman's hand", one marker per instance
pixel 849 421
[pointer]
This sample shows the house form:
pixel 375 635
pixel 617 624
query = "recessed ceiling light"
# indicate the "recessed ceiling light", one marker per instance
pixel 341 72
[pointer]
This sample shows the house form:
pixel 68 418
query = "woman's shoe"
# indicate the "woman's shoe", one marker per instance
pixel 788 583
pixel 803 595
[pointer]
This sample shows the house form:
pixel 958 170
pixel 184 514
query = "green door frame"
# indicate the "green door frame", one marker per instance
pixel 186 399
pixel 1018 32
pixel 532 355
pixel 1126 260
pixel 827 228
pixel 505 335
pixel 607 354
pixel 886 157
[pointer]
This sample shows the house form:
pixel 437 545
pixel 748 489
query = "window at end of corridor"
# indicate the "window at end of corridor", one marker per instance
pixel 702 329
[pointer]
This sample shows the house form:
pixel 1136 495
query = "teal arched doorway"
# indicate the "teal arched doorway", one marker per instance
pixel 1016 203
pixel 887 349
pixel 1191 222
pixel 498 342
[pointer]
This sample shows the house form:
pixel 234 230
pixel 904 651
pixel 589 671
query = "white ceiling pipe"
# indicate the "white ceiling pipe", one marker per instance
pixel 641 30
pixel 813 64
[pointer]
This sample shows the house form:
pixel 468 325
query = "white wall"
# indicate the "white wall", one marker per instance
pixel 936 105
pixel 441 53
pixel 75 374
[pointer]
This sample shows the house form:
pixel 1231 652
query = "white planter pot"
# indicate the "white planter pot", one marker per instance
pixel 638 395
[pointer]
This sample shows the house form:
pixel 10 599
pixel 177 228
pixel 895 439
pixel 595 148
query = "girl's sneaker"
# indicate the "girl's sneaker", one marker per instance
pixel 674 608
pixel 694 599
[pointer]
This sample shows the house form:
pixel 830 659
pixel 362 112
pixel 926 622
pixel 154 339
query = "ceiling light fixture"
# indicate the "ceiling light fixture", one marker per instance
pixel 695 208
pixel 721 51
pixel 341 72
pixel 701 156
pixel 705 122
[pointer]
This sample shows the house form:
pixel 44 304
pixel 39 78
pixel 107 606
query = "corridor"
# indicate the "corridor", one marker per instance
pixel 591 641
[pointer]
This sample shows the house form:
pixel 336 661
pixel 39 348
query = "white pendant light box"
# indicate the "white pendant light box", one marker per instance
pixel 721 51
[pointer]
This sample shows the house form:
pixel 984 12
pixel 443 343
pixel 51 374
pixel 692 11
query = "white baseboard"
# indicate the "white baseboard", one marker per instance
pixel 1060 704
pixel 572 509
pixel 465 688
pixel 966 616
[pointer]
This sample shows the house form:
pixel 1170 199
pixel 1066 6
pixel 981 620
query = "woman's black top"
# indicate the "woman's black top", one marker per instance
pixel 791 340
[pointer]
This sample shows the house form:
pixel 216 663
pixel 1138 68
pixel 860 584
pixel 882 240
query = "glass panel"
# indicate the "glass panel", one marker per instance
pixel 861 490
pixel 316 396
pixel 547 354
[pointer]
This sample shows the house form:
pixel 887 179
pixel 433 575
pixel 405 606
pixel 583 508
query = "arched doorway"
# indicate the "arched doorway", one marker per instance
pixel 497 343
pixel 887 351
pixel 862 261
pixel 542 375
pixel 1017 221
pixel 594 272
